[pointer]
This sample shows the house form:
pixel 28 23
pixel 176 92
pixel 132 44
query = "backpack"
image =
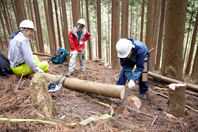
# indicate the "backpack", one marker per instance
pixel 4 66
pixel 59 56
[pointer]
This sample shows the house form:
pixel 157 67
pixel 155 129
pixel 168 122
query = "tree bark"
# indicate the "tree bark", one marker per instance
pixel 51 30
pixel 142 21
pixel 75 11
pixel 89 30
pixel 39 28
pixel 161 30
pixel 176 100
pixel 1 46
pixel 58 27
pixel 189 86
pixel 131 22
pixel 20 11
pixel 40 95
pixel 192 47
pixel 99 29
pixel 185 47
pixel 4 30
pixel 109 90
pixel 124 17
pixel 174 37
pixel 194 75
pixel 65 26
pixel 149 23
pixel 155 33
pixel 115 33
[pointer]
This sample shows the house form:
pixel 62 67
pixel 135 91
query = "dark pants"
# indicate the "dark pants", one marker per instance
pixel 143 86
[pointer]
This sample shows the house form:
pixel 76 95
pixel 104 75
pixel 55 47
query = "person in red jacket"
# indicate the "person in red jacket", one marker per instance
pixel 77 38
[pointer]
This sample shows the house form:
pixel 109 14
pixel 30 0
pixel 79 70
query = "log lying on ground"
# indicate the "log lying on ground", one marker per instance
pixel 40 95
pixel 176 100
pixel 108 90
pixel 170 80
pixel 41 54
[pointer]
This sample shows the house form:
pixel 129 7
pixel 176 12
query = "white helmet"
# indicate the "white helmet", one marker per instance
pixel 123 47
pixel 27 24
pixel 81 21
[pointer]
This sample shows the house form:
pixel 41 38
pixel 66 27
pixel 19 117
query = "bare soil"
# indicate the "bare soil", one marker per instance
pixel 15 102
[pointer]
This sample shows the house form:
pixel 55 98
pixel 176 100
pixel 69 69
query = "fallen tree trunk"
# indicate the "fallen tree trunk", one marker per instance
pixel 109 90
pixel 170 80
pixel 41 54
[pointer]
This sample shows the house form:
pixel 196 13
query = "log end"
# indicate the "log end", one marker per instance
pixel 173 86
pixel 122 92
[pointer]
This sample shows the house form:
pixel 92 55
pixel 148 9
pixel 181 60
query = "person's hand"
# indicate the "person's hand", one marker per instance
pixel 131 84
pixel 40 71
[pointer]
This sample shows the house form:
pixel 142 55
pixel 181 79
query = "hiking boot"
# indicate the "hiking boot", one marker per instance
pixel 143 96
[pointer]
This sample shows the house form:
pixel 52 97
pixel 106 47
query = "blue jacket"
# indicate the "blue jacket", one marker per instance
pixel 137 58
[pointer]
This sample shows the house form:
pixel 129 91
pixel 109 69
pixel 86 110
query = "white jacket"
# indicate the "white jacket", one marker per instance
pixel 19 51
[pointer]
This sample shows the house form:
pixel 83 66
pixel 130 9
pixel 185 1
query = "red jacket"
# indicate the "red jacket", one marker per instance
pixel 74 44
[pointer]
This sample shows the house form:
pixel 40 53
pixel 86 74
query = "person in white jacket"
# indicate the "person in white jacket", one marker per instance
pixel 20 56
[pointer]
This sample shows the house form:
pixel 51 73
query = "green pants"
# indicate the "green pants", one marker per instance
pixel 25 69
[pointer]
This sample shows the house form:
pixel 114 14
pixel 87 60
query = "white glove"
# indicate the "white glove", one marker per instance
pixel 131 84
pixel 39 71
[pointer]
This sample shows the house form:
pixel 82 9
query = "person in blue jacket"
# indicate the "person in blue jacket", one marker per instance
pixel 132 53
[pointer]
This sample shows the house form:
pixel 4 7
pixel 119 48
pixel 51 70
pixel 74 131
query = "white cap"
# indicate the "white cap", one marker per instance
pixel 81 21
pixel 27 24
pixel 123 47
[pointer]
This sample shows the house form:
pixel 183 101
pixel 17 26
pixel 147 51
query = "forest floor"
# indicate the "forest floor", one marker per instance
pixel 74 106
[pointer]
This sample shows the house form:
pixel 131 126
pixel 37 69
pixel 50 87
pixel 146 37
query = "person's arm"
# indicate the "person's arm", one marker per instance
pixel 139 66
pixel 28 56
pixel 128 66
pixel 71 41
pixel 86 37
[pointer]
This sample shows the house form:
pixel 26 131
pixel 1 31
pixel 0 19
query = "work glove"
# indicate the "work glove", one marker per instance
pixel 39 71
pixel 131 84
pixel 81 42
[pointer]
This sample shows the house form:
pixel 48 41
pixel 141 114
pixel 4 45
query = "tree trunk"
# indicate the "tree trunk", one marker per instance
pixel 1 46
pixel 142 21
pixel 99 29
pixel 75 11
pixel 124 21
pixel 155 33
pixel 194 75
pixel 32 18
pixel 4 30
pixel 176 100
pixel 161 30
pixel 149 23
pixel 89 30
pixel 108 34
pixel 82 7
pixel 6 17
pixel 192 47
pixel 136 27
pixel 131 22
pixel 20 11
pixel 188 29
pixel 115 33
pixel 51 30
pixel 58 27
pixel 40 95
pixel 109 90
pixel 70 15
pixel 65 26
pixel 38 25
pixel 174 37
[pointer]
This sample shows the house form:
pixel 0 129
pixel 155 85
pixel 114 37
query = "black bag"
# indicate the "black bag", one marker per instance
pixel 4 66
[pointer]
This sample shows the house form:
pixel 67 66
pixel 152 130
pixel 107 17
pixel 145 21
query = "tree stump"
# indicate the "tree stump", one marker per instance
pixel 176 100
pixel 40 95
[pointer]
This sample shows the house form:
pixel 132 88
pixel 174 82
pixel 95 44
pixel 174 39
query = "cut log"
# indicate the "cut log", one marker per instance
pixel 189 86
pixel 109 90
pixel 176 100
pixel 40 95
pixel 41 54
